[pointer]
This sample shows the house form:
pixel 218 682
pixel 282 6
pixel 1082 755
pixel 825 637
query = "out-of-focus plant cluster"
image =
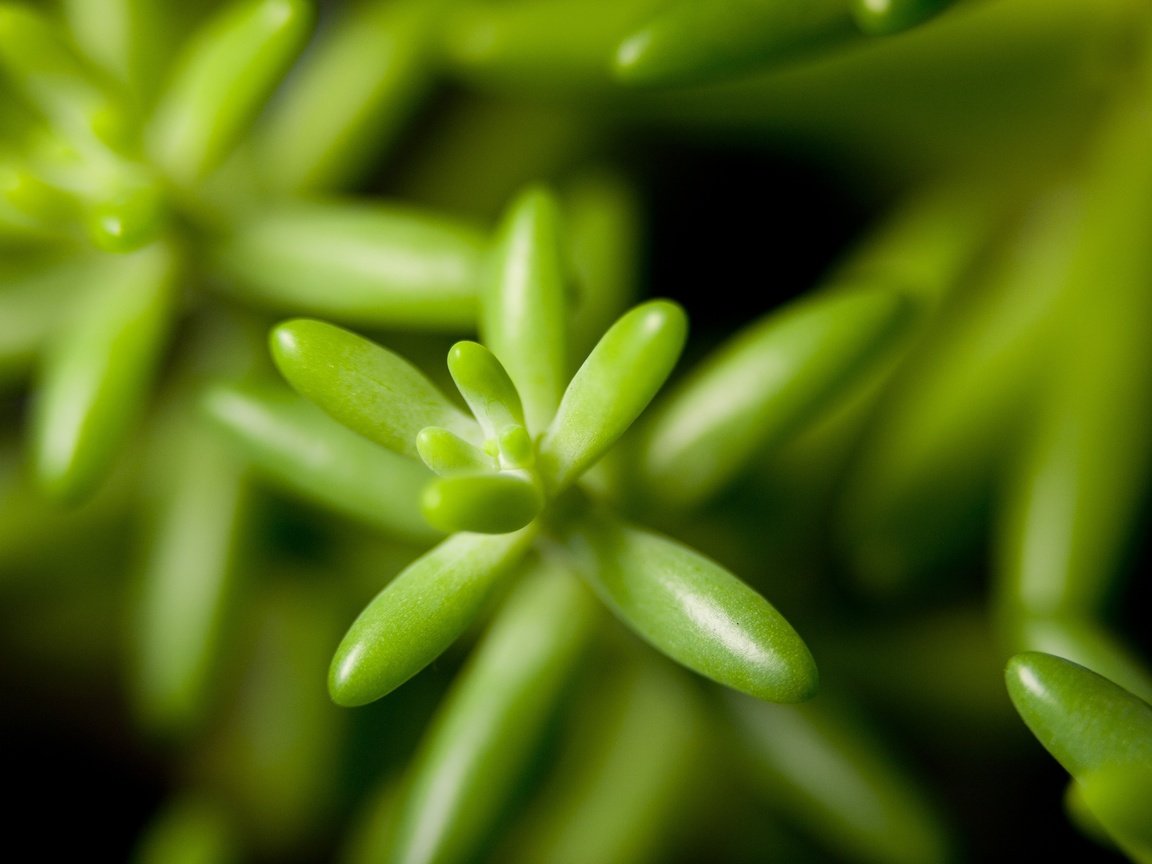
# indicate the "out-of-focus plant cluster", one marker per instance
pixel 779 498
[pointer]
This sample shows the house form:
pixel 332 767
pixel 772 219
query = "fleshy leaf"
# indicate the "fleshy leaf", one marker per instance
pixel 421 612
pixel 358 264
pixel 366 387
pixel 616 382
pixel 486 387
pixel 494 717
pixel 98 368
pixel 349 95
pixel 762 385
pixel 221 80
pixel 484 503
pixel 301 449
pixel 1084 720
pixel 447 453
pixel 690 42
pixel 1120 797
pixel 882 17
pixel 523 317
pixel 693 610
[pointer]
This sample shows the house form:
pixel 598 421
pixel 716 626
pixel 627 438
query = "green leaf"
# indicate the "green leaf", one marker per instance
pixel 693 610
pixel 349 96
pixel 97 371
pixel 421 612
pixel 357 263
pixel 762 385
pixel 609 391
pixel 523 311
pixel 486 387
pixel 192 829
pixel 119 35
pixel 56 82
pixel 1084 720
pixel 484 503
pixel 495 716
pixel 691 42
pixel 220 82
pixel 883 17
pixel 188 584
pixel 447 453
pixel 366 387
pixel 30 302
pixel 300 449
pixel 1120 798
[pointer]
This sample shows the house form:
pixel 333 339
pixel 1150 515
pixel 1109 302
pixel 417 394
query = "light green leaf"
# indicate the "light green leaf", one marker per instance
pixel 523 312
pixel 609 391
pixel 366 387
pixel 120 35
pixel 30 302
pixel 356 263
pixel 349 96
pixel 98 369
pixel 494 718
pixel 421 612
pixel 484 503
pixel 762 385
pixel 299 448
pixel 693 610
pixel 447 453
pixel 486 387
pixel 221 80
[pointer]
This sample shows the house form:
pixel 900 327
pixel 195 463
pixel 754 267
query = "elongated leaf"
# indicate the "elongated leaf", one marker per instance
pixel 367 388
pixel 349 96
pixel 523 316
pixel 299 448
pixel 120 35
pixel 484 503
pixel 691 42
pixel 486 387
pixel 97 372
pixel 609 391
pixel 221 80
pixel 447 453
pixel 30 304
pixel 828 773
pixel 357 264
pixel 882 17
pixel 495 716
pixel 693 610
pixel 188 582
pixel 1120 798
pixel 55 81
pixel 553 45
pixel 763 384
pixel 421 612
pixel 1084 720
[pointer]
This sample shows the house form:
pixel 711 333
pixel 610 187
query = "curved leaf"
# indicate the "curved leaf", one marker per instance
pixel 693 610
pixel 523 313
pixel 883 17
pixel 492 721
pixel 366 387
pixel 616 383
pixel 221 80
pixel 421 612
pixel 484 503
pixel 486 387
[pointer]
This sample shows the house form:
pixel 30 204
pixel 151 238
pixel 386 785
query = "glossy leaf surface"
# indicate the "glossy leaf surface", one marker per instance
pixel 693 610
pixel 523 318
pixel 492 721
pixel 357 263
pixel 421 612
pixel 881 17
pixel 484 503
pixel 366 387
pixel 1084 720
pixel 615 384
pixel 486 387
